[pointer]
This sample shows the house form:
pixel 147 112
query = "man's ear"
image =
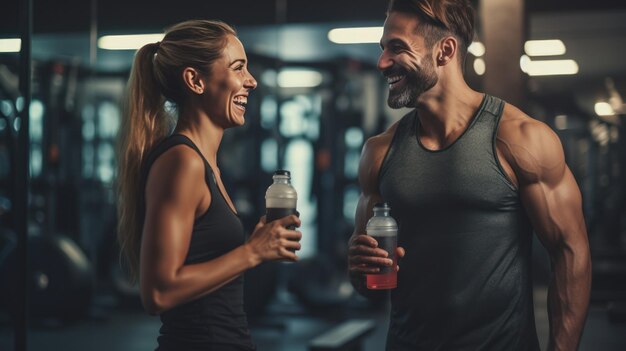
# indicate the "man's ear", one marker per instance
pixel 193 81
pixel 447 50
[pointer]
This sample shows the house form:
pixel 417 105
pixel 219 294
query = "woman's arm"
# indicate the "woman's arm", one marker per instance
pixel 176 193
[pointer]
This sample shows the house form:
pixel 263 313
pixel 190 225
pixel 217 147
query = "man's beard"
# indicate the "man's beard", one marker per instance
pixel 416 83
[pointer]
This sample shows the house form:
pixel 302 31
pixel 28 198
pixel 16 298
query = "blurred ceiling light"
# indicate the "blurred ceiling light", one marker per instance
pixel 127 42
pixel 523 63
pixel 268 77
pixel 550 47
pixel 560 122
pixel 548 67
pixel 603 109
pixel 10 45
pixel 356 35
pixel 476 48
pixel 299 78
pixel 479 66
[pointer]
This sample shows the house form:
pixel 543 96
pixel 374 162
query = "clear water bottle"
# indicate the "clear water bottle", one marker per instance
pixel 280 198
pixel 384 229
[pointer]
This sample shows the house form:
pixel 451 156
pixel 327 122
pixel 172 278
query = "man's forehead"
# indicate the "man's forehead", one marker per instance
pixel 399 23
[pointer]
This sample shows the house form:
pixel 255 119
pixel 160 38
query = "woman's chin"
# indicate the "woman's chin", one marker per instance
pixel 237 121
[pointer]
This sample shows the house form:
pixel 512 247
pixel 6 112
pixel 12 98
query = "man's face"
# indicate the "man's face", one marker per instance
pixel 406 62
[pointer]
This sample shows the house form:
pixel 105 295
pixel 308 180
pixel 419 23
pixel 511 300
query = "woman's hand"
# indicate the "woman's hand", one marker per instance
pixel 273 241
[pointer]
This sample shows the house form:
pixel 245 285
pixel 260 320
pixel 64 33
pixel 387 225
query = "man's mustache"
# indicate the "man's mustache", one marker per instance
pixel 393 71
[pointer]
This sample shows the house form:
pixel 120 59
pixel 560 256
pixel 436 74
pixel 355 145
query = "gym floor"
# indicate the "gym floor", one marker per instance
pixel 286 328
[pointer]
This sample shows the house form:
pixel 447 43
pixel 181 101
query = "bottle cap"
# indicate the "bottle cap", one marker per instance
pixel 282 172
pixel 382 205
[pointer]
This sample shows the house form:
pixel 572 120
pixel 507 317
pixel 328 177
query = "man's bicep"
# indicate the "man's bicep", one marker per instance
pixel 369 166
pixel 547 188
pixel 555 211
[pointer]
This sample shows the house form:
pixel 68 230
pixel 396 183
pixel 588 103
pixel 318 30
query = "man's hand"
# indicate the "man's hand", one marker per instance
pixel 365 257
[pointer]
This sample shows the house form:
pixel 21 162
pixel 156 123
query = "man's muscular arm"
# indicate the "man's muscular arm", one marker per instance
pixel 553 203
pixel 363 254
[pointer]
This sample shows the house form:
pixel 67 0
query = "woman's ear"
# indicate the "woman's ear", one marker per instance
pixel 193 81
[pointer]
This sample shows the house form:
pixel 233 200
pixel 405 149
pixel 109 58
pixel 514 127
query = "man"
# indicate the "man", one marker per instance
pixel 468 178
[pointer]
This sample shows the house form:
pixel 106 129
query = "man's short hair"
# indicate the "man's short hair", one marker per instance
pixel 440 18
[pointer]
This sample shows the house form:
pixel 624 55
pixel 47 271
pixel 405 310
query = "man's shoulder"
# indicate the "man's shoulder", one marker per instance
pixel 519 128
pixel 374 151
pixel 380 143
pixel 527 144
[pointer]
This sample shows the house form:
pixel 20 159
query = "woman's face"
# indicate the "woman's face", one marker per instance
pixel 228 85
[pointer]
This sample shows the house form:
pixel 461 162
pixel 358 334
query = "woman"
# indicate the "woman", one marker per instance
pixel 178 227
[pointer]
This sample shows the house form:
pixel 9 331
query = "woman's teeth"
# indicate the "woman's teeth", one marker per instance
pixel 241 101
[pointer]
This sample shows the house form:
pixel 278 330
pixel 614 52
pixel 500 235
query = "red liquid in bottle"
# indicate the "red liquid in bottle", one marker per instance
pixel 383 281
pixel 387 277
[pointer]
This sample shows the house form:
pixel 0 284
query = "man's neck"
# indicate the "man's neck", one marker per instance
pixel 446 110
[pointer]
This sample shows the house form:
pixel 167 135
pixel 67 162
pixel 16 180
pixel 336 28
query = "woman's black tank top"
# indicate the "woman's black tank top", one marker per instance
pixel 216 321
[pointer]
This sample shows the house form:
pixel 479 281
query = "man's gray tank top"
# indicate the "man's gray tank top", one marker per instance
pixel 465 282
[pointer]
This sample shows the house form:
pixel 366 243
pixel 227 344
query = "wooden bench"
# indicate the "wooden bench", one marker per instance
pixel 348 336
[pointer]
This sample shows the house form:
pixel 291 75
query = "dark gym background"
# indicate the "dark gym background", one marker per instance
pixel 79 299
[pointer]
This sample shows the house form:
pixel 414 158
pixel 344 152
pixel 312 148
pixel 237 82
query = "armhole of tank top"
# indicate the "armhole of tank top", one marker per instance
pixel 503 173
pixel 208 171
pixel 209 177
pixel 396 134
pixel 151 158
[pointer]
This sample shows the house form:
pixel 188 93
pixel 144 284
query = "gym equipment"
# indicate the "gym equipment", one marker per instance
pixel 617 312
pixel 8 136
pixel 319 286
pixel 60 279
pixel 348 336
pixel 8 241
pixel 127 292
